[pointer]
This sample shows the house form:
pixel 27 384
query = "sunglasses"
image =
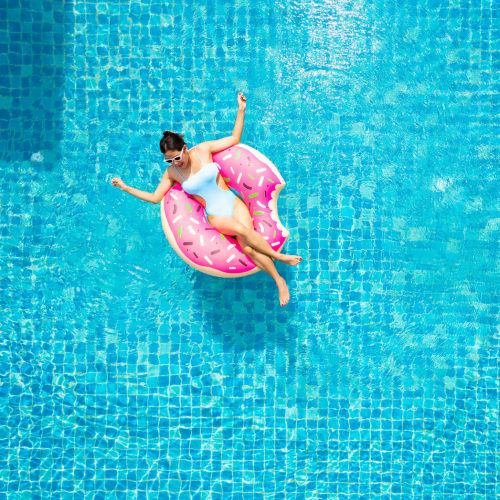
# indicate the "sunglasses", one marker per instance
pixel 177 158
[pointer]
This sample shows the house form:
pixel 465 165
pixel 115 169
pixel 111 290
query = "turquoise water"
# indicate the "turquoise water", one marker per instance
pixel 126 374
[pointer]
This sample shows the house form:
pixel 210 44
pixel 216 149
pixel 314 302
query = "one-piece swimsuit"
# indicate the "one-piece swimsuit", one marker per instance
pixel 204 183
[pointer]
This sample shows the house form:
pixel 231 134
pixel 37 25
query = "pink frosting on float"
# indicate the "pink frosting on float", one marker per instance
pixel 202 246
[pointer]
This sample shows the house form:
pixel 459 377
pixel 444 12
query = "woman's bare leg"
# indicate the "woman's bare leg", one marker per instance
pixel 241 225
pixel 252 238
pixel 266 264
pixel 234 226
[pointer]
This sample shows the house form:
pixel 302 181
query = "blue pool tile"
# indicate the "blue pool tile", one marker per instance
pixel 125 373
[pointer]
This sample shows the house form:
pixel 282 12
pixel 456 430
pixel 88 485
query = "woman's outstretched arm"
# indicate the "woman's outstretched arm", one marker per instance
pixel 163 187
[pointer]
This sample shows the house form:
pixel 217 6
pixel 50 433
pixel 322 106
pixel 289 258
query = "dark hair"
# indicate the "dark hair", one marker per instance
pixel 171 142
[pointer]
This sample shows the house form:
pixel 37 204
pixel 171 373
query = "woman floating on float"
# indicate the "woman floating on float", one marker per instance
pixel 219 206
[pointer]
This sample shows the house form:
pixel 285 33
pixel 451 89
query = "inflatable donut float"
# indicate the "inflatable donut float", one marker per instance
pixel 252 177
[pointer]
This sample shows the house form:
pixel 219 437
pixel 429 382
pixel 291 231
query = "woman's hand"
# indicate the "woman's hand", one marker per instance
pixel 242 101
pixel 116 181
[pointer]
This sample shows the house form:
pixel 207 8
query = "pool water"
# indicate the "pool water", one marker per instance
pixel 127 374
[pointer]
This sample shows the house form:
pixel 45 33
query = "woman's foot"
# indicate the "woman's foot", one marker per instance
pixel 292 260
pixel 283 289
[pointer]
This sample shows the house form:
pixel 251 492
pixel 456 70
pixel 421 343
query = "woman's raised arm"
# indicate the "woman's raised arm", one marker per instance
pixel 226 142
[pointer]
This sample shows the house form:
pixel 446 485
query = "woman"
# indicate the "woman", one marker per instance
pixel 226 211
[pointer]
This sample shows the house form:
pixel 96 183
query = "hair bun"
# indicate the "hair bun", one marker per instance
pixel 171 141
pixel 169 132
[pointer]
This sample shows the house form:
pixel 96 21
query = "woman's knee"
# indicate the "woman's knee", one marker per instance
pixel 246 248
pixel 241 230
